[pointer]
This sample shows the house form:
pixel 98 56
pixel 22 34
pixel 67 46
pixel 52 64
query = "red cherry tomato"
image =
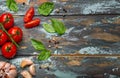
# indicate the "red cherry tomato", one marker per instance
pixel 9 50
pixel 3 37
pixel 35 22
pixel 7 20
pixel 29 15
pixel 16 33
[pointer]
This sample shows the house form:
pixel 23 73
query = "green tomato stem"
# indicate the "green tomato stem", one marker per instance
pixel 8 35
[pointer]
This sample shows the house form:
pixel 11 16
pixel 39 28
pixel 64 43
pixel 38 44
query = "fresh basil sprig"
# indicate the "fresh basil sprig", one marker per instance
pixel 56 26
pixel 12 5
pixel 46 8
pixel 38 45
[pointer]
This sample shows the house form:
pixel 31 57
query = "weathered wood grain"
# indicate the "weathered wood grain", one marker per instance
pixel 69 7
pixel 72 67
pixel 94 34
pixel 82 36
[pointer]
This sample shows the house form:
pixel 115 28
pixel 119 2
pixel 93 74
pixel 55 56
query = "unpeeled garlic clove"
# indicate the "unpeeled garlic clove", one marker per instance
pixel 8 70
pixel 12 67
pixel 26 74
pixel 2 64
pixel 26 62
pixel 7 67
pixel 32 69
pixel 12 73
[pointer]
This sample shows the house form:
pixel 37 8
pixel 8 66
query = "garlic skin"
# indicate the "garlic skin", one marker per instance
pixel 2 64
pixel 7 65
pixel 26 74
pixel 12 67
pixel 12 74
pixel 26 62
pixel 7 70
pixel 32 70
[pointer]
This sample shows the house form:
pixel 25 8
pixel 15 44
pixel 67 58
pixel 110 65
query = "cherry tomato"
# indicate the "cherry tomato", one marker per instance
pixel 7 20
pixel 3 37
pixel 16 33
pixel 9 50
pixel 35 22
pixel 29 15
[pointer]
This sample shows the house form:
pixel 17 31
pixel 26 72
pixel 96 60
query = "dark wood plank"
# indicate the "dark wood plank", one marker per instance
pixel 72 7
pixel 72 67
pixel 85 35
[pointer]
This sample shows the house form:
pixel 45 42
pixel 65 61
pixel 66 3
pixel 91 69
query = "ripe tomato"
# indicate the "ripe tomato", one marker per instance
pixel 35 22
pixel 16 33
pixel 29 15
pixel 3 37
pixel 7 20
pixel 9 50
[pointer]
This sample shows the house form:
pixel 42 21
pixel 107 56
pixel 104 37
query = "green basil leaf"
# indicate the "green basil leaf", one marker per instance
pixel 58 26
pixel 11 4
pixel 8 2
pixel 46 8
pixel 13 7
pixel 48 28
pixel 37 44
pixel 44 55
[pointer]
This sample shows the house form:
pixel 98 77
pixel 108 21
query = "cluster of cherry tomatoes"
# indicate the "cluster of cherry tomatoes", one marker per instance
pixel 8 48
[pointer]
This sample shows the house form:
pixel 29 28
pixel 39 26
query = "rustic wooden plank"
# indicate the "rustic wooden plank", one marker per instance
pixel 85 35
pixel 72 67
pixel 72 7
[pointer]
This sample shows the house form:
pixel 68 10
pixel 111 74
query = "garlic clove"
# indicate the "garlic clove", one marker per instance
pixel 12 67
pixel 12 73
pixel 26 74
pixel 8 70
pixel 26 62
pixel 32 69
pixel 2 64
pixel 7 65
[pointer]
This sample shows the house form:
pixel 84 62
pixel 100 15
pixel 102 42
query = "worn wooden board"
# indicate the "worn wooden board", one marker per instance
pixel 84 35
pixel 72 67
pixel 72 7
pixel 92 29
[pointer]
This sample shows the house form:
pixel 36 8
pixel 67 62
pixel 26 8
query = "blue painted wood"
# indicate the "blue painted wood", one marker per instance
pixel 72 7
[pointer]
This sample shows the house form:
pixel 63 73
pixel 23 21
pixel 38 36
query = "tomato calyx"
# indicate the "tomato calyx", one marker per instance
pixel 17 32
pixel 8 48
pixel 7 19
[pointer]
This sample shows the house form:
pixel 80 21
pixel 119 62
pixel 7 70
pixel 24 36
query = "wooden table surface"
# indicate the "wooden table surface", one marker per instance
pixel 90 48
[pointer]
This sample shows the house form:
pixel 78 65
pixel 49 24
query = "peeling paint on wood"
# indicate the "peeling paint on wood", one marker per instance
pixel 90 48
pixel 73 7
pixel 106 37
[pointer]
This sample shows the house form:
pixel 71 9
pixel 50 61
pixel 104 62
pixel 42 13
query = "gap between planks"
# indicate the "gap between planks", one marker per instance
pixel 75 14
pixel 75 55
